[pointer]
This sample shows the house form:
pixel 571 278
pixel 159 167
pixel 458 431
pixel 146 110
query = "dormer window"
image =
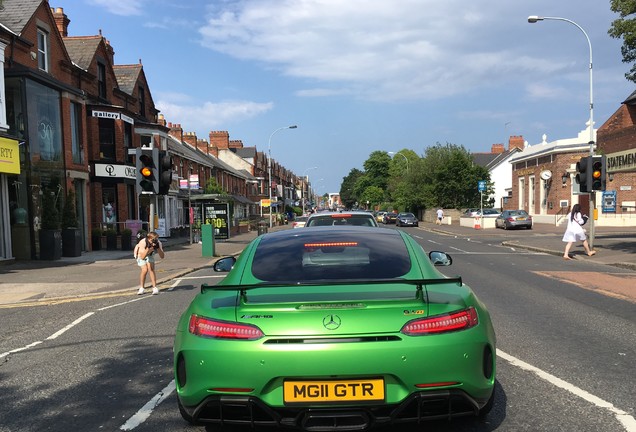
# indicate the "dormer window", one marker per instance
pixel 43 50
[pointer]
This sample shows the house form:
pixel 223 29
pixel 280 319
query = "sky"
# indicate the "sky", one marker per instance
pixel 358 76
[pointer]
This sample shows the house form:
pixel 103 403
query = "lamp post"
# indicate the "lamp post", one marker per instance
pixel 306 180
pixel 533 19
pixel 405 158
pixel 269 167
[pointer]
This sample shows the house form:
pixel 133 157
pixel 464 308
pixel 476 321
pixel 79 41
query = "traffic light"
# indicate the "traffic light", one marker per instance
pixel 584 174
pixel 147 170
pixel 598 173
pixel 165 172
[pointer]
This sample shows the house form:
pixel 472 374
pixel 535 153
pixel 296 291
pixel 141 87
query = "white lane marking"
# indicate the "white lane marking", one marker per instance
pixel 142 415
pixel 123 303
pixel 70 326
pixel 31 345
pixel 628 422
pixel 204 277
pixel 434 242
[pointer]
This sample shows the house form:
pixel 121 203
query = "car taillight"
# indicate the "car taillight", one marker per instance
pixel 206 327
pixel 511 219
pixel 445 323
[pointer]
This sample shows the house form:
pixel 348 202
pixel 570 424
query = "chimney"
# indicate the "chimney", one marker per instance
pixel 175 130
pixel 202 145
pixel 190 138
pixel 220 140
pixel 236 144
pixel 61 21
pixel 515 142
pixel 497 148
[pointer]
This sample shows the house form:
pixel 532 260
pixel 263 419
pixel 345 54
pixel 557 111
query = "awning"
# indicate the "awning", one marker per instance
pixel 243 200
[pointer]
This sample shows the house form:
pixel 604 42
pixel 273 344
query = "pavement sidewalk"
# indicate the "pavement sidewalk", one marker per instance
pixel 113 273
pixel 106 273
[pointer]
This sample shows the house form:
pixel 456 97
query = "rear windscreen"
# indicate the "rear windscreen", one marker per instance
pixel 334 255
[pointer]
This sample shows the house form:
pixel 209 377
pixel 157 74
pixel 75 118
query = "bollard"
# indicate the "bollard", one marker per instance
pixel 477 224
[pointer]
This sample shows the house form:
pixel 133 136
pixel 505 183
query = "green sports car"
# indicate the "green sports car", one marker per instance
pixel 334 328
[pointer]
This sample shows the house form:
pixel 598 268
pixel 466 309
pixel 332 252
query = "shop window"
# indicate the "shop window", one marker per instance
pixel 109 206
pixel 45 138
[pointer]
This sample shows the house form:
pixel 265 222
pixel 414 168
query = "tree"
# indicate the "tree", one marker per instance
pixel 625 28
pixel 373 194
pixel 376 168
pixel 212 187
pixel 347 188
pixel 452 176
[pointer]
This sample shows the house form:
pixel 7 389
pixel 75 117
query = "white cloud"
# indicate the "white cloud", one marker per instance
pixel 210 115
pixel 121 7
pixel 377 49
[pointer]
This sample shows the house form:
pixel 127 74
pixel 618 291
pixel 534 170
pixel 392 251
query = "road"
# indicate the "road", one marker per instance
pixel 566 354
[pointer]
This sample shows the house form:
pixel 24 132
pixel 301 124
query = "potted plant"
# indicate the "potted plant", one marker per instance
pixel 126 239
pixel 71 234
pixel 96 238
pixel 50 233
pixel 111 238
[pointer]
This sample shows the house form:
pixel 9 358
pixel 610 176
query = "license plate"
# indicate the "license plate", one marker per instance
pixel 360 390
pixel 521 218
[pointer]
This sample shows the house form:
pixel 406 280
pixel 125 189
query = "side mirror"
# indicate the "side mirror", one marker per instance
pixel 440 258
pixel 224 264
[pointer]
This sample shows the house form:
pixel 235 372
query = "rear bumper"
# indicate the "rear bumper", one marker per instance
pixel 251 411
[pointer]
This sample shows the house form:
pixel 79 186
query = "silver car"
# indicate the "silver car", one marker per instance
pixel 514 219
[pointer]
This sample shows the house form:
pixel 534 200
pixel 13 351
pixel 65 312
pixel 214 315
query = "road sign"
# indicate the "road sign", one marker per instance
pixel 481 185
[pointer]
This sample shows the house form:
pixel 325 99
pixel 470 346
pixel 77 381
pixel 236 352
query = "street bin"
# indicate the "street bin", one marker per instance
pixel 262 228
pixel 207 240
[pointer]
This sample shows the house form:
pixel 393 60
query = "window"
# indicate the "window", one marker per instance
pixel 43 50
pixel 142 102
pixel 76 134
pixel 107 139
pixel 101 80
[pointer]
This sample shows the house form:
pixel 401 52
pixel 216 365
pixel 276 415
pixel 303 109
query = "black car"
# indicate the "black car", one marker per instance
pixel 406 219
pixel 389 218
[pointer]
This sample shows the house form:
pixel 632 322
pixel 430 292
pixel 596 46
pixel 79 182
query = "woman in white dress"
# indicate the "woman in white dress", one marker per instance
pixel 575 232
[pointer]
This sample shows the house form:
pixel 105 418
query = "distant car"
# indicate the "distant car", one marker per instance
pixel 357 218
pixel 334 329
pixel 406 219
pixel 299 221
pixel 379 216
pixel 514 219
pixel 389 218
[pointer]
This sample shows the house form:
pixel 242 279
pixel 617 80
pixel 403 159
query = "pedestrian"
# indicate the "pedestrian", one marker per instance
pixel 144 253
pixel 575 232
pixel 440 216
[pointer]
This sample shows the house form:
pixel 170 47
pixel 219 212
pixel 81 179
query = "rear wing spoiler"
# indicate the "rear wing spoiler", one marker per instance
pixel 419 283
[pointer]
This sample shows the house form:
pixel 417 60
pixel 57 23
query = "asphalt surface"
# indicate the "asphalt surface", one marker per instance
pixel 113 273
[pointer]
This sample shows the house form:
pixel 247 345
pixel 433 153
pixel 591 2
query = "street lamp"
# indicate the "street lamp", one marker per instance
pixel 533 19
pixel 306 180
pixel 405 158
pixel 269 167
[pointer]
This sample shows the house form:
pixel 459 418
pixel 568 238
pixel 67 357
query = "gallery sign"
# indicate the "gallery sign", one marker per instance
pixel 115 171
pixel 114 116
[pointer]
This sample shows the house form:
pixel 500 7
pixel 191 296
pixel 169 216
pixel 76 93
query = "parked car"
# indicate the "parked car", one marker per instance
pixel 359 218
pixel 324 327
pixel 406 219
pixel 390 218
pixel 299 221
pixel 514 219
pixel 379 216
